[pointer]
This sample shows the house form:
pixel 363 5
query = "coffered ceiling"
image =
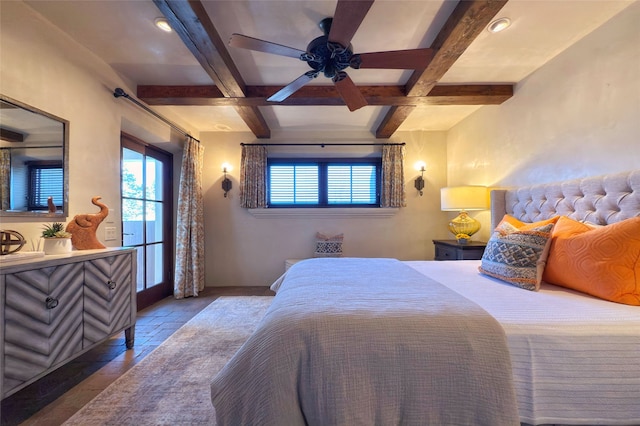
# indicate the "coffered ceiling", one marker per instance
pixel 193 72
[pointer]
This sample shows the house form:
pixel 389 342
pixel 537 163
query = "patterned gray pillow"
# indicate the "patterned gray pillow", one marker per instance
pixel 328 246
pixel 514 256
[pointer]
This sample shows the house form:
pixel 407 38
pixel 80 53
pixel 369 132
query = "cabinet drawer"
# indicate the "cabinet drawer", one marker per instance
pixel 452 250
pixel 471 254
pixel 446 252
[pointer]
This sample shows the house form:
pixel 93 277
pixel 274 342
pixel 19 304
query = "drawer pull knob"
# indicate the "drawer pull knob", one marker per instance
pixel 51 303
pixel 111 284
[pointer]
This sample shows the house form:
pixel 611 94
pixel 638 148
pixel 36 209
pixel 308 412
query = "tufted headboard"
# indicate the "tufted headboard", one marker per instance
pixel 600 200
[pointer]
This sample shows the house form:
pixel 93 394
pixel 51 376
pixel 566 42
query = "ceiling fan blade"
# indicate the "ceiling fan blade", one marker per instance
pixel 349 92
pixel 246 42
pixel 394 59
pixel 346 20
pixel 292 87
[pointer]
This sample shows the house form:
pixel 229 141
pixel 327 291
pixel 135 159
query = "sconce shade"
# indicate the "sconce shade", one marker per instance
pixel 464 198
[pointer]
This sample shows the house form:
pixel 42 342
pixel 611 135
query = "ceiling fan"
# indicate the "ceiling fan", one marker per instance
pixel 331 53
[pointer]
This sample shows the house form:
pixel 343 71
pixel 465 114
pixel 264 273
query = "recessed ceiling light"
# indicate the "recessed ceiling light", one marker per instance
pixel 499 25
pixel 163 24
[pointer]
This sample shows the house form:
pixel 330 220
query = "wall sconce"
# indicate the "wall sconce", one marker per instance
pixel 464 198
pixel 419 182
pixel 226 182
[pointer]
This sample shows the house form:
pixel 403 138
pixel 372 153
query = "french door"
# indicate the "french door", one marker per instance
pixel 147 216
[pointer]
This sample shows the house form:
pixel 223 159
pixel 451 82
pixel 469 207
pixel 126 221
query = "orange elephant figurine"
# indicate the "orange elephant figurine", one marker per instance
pixel 83 227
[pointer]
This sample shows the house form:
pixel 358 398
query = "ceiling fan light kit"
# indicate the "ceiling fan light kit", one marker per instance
pixel 332 53
pixel 325 56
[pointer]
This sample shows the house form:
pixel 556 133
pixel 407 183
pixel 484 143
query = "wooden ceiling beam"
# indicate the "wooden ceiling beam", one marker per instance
pixel 467 21
pixel 481 94
pixel 392 120
pixel 10 135
pixel 190 21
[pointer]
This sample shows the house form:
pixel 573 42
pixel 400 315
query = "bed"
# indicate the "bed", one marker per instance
pixel 353 341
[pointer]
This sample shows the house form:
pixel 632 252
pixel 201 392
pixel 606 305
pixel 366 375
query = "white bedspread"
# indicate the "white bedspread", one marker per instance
pixel 368 342
pixel 575 358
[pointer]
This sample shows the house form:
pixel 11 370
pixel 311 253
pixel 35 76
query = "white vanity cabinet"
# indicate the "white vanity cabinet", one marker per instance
pixel 55 308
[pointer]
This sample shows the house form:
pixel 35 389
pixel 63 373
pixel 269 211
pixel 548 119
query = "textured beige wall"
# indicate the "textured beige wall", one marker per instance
pixel 44 68
pixel 245 250
pixel 577 116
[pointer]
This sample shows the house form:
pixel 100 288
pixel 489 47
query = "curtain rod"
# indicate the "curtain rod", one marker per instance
pixel 121 93
pixel 33 146
pixel 321 144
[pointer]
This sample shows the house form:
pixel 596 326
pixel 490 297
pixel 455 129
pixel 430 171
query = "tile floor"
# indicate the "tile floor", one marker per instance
pixel 56 397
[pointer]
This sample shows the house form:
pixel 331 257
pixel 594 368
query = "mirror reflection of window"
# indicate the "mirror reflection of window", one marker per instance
pixel 32 160
pixel 45 181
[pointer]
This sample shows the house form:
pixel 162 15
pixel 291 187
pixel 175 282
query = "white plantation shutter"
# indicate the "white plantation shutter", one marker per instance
pixel 294 184
pixel 351 184
pixel 323 183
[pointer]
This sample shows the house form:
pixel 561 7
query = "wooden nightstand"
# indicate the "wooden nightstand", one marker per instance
pixel 451 250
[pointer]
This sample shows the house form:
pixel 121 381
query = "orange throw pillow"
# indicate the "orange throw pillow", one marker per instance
pixel 524 226
pixel 603 262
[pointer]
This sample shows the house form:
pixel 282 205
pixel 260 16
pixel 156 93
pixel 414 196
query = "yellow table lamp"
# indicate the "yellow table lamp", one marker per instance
pixel 464 198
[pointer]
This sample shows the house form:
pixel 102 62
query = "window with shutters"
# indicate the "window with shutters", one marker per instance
pixel 343 182
pixel 46 179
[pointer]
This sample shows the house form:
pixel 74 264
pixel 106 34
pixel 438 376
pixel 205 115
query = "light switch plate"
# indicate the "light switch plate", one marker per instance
pixel 110 233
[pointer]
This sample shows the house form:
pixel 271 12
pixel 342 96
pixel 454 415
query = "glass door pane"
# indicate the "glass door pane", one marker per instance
pixel 154 221
pixel 154 264
pixel 154 186
pixel 147 217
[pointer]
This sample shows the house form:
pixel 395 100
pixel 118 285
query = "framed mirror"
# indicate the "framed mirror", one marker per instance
pixel 34 164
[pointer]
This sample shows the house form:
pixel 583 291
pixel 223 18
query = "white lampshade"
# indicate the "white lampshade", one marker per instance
pixel 464 198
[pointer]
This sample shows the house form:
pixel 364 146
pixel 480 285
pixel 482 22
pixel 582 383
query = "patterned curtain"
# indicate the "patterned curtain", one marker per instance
pixel 392 176
pixel 5 176
pixel 253 177
pixel 189 272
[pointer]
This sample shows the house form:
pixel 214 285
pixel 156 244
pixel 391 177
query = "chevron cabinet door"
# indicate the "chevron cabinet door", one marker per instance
pixel 107 294
pixel 43 320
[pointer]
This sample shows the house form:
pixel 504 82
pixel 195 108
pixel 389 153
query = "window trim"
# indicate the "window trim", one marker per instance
pixel 322 164
pixel 324 213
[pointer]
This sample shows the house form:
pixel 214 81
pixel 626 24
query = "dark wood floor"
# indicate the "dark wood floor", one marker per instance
pixel 57 396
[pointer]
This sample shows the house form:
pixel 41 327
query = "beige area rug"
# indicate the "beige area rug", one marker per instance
pixel 171 385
